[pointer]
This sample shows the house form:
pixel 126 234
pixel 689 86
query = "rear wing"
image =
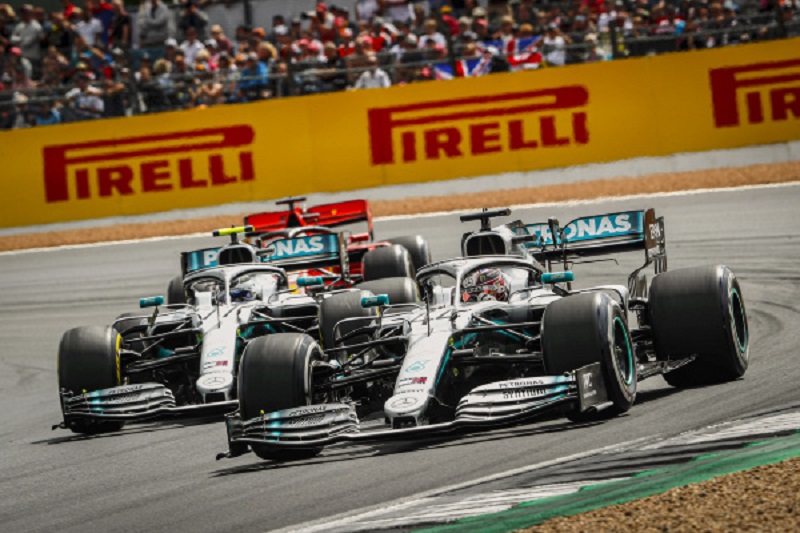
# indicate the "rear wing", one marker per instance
pixel 199 260
pixel 311 250
pixel 599 235
pixel 303 252
pixel 329 215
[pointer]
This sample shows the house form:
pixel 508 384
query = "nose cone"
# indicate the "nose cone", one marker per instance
pixel 215 383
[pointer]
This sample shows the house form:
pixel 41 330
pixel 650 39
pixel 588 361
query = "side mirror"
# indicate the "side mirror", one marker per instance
pixel 375 301
pixel 558 277
pixel 152 301
pixel 310 281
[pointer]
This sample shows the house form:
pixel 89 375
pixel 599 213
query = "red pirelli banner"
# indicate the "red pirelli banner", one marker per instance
pixel 725 98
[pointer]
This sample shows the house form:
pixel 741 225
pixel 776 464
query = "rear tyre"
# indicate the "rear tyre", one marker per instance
pixel 336 308
pixel 88 360
pixel 175 292
pixel 275 374
pixel 417 247
pixel 589 328
pixel 387 262
pixel 399 290
pixel 700 311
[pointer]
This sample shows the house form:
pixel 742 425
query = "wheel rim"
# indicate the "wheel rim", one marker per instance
pixel 622 351
pixel 739 321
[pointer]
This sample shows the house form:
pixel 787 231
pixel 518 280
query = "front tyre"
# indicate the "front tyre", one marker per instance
pixel 275 374
pixel 700 311
pixel 88 360
pixel 175 291
pixel 589 328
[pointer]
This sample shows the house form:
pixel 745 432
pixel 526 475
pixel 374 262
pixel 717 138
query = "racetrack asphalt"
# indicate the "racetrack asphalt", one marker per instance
pixel 163 477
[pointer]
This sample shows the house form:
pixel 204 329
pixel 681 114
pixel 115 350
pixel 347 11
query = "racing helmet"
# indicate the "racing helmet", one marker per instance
pixel 244 289
pixel 485 284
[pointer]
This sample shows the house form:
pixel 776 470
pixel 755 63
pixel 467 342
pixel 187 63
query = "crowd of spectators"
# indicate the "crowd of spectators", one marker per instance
pixel 78 63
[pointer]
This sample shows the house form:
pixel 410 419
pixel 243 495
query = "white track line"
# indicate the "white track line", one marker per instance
pixel 565 203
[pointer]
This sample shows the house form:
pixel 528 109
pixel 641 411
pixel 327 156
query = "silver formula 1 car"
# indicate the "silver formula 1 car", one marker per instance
pixel 498 339
pixel 182 359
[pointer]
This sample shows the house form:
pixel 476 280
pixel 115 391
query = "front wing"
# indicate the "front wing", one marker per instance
pixel 133 403
pixel 487 406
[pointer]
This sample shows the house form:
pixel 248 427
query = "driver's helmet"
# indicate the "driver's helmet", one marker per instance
pixel 244 289
pixel 485 284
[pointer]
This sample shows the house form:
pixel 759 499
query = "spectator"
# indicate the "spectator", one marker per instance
pixel 322 22
pixel 46 114
pixel 68 8
pixel 398 10
pixel 154 24
pixel 115 96
pixel 145 63
pixel 228 76
pixel 223 43
pixel 170 49
pixel 191 46
pixel 102 11
pixel 331 72
pixel 86 101
pixel 61 35
pixel 555 46
pixel 506 32
pixel 54 66
pixel 410 60
pixel 202 62
pixel 19 116
pixel 119 32
pixel 359 58
pixel 431 35
pixel 91 57
pixel 373 77
pixel 367 9
pixel 15 61
pixel 207 90
pixel 21 80
pixel 7 24
pixel 193 17
pixel 88 27
pixel 26 36
pixel 253 80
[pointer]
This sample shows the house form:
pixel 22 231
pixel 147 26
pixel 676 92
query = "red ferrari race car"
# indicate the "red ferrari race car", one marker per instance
pixel 297 219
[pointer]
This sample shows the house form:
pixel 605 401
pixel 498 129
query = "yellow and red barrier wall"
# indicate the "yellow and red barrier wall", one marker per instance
pixel 694 101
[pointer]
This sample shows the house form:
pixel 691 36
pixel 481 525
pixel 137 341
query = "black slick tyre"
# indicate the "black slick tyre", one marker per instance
pixel 417 247
pixel 338 307
pixel 88 360
pixel 700 311
pixel 399 290
pixel 589 328
pixel 175 292
pixel 387 262
pixel 275 373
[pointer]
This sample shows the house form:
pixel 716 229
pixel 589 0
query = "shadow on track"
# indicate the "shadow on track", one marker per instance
pixel 136 429
pixel 331 455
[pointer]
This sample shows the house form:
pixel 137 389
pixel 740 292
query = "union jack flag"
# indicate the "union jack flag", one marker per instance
pixel 523 53
pixel 520 53
pixel 477 66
